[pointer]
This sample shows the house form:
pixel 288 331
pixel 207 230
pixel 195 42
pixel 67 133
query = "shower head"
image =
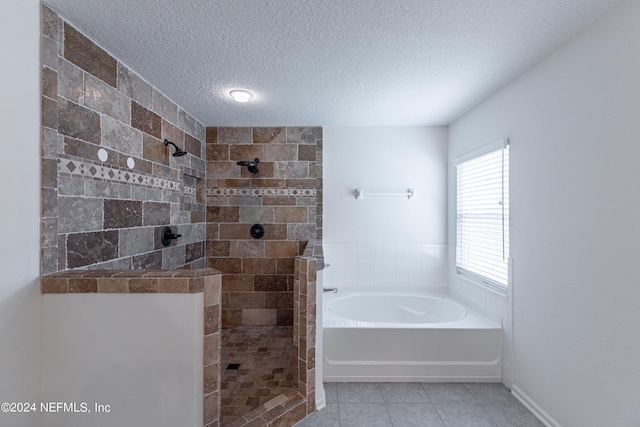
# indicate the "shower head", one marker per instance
pixel 179 151
pixel 252 166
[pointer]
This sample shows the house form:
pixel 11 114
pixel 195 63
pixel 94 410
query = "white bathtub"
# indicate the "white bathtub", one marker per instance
pixel 378 336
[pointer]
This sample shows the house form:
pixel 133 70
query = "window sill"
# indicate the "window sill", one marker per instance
pixel 502 291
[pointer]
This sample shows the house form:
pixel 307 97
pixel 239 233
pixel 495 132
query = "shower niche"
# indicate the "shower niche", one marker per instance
pixel 192 198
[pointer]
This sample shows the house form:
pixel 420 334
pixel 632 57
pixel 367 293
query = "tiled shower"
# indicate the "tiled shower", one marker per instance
pixel 110 184
pixel 108 181
pixel 285 197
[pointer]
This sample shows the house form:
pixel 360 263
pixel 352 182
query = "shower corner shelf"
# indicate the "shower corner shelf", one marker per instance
pixel 360 194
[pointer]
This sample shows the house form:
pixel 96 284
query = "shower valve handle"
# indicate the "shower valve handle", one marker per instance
pixel 168 235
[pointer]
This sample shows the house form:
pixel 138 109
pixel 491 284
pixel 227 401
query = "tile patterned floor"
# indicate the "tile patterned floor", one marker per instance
pixel 264 355
pixel 420 405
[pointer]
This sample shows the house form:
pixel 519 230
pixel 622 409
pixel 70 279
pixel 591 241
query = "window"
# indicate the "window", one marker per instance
pixel 482 242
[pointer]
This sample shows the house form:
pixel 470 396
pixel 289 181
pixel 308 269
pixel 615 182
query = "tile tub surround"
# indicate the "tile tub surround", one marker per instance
pixel 204 280
pixel 389 265
pixel 285 196
pixel 103 214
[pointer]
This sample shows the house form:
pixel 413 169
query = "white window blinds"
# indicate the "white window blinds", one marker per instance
pixel 482 246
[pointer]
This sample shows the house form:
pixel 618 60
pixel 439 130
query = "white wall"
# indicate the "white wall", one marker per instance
pixel 574 126
pixel 20 208
pixel 140 354
pixel 385 159
pixel 377 242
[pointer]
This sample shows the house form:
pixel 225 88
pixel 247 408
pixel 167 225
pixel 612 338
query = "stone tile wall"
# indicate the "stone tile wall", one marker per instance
pixel 285 196
pixel 107 214
pixel 212 374
pixel 304 327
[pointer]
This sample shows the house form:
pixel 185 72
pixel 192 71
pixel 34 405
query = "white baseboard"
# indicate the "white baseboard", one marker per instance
pixel 321 401
pixel 410 379
pixel 532 406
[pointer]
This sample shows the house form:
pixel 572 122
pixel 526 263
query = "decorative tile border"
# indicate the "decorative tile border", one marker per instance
pixel 107 173
pixel 262 192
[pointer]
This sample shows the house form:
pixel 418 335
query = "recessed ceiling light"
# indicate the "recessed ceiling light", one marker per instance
pixel 241 95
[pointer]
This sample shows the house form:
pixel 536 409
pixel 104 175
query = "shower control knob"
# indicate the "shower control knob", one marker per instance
pixel 257 231
pixel 168 235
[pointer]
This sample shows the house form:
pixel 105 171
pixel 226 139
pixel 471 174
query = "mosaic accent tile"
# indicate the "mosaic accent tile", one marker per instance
pixel 108 173
pixel 262 192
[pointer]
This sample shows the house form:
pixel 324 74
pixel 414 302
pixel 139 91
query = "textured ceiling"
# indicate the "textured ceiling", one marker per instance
pixel 330 62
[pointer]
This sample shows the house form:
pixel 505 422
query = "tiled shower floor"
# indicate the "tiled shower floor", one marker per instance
pixel 264 355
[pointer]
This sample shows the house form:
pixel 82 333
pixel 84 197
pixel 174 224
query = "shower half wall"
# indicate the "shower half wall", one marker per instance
pixel 285 196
